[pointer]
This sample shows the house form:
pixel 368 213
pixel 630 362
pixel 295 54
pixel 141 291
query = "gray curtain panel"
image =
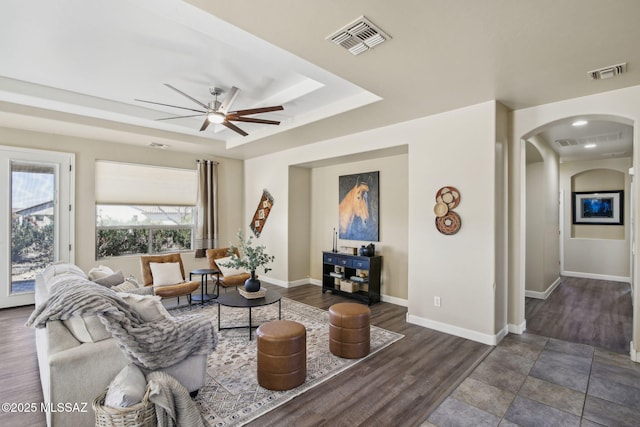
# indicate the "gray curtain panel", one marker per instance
pixel 207 207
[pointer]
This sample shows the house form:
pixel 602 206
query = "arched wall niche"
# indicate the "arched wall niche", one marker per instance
pixel 601 180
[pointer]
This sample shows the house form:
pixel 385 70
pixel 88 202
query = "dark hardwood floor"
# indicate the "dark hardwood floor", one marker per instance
pixel 585 311
pixel 19 377
pixel 400 385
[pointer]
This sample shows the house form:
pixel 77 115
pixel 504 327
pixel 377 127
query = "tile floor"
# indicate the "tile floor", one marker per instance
pixel 530 380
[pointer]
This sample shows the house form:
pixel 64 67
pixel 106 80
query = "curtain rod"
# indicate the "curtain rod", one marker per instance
pixel 215 162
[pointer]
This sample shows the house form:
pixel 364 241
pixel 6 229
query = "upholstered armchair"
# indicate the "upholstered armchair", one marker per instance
pixel 228 277
pixel 166 274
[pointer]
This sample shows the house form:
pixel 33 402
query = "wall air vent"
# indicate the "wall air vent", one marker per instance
pixel 358 36
pixel 608 72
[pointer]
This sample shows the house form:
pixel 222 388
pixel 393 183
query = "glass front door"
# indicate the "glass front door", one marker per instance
pixel 33 222
pixel 37 217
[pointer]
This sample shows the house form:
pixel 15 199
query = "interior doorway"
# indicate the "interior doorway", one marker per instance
pixel 584 265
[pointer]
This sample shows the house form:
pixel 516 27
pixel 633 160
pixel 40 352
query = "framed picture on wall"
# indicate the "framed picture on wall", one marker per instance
pixel 358 206
pixel 598 207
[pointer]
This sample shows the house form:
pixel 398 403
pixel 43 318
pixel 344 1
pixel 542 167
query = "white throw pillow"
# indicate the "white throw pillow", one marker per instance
pixel 100 272
pixel 227 271
pixel 166 273
pixel 149 307
pixel 127 388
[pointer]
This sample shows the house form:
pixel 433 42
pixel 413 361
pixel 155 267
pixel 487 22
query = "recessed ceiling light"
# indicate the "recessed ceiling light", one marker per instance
pixel 579 123
pixel 590 146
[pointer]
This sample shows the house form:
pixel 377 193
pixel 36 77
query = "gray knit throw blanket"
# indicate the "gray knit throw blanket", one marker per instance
pixel 150 345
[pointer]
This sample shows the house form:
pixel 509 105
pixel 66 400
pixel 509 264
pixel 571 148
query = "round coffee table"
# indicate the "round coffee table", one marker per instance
pixel 234 299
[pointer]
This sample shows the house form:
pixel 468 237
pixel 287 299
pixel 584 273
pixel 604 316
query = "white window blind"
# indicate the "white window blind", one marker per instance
pixel 126 183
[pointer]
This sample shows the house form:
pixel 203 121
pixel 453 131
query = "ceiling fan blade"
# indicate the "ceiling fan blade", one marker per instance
pixel 255 111
pixel 205 124
pixel 205 106
pixel 183 117
pixel 169 105
pixel 226 104
pixel 252 120
pixel 234 128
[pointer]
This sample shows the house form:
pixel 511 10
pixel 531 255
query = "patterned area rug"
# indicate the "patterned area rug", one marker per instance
pixel 232 396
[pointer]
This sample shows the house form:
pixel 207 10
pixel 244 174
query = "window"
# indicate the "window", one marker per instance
pixel 128 230
pixel 143 209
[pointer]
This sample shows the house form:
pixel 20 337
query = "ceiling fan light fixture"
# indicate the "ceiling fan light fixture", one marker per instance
pixel 216 118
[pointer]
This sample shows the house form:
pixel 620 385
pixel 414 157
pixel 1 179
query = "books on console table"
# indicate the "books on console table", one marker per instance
pixel 336 274
pixel 359 279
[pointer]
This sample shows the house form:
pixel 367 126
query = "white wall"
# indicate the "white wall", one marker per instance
pixel 597 251
pixel 535 224
pixel 501 218
pixel 300 208
pixel 456 148
pixel 393 224
pixel 543 222
pixel 87 151
pixel 621 103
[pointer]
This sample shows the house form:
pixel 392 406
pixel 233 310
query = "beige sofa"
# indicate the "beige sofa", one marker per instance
pixel 78 359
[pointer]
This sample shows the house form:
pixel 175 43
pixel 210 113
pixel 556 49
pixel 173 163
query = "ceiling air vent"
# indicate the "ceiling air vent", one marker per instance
pixel 608 72
pixel 358 36
pixel 566 142
pixel 598 139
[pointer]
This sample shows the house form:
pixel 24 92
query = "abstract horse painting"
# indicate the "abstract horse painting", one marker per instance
pixel 358 209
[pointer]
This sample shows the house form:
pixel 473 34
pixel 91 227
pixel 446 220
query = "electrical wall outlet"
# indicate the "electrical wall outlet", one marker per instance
pixel 436 301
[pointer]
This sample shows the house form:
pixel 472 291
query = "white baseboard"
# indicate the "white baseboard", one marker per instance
pixel 545 294
pixel 316 282
pixel 518 329
pixel 503 333
pixel 597 276
pixel 635 355
pixel 458 331
pixel 285 284
pixel 395 300
pixel 273 281
pixel 299 282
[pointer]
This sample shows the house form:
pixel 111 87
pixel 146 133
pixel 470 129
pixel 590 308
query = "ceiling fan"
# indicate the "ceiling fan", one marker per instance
pixel 218 112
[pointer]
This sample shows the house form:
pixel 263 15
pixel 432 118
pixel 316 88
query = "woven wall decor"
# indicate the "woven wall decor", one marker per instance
pixel 447 221
pixel 262 213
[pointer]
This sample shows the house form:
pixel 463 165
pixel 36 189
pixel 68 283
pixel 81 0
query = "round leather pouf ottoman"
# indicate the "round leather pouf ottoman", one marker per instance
pixel 282 354
pixel 349 332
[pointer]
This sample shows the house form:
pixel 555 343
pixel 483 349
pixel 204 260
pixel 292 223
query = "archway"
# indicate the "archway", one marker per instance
pixel 541 217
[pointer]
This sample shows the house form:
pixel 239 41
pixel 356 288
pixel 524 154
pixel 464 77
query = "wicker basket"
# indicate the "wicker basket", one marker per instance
pixel 142 414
